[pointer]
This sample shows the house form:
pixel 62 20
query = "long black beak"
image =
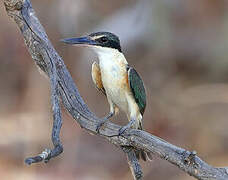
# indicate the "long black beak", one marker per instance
pixel 81 40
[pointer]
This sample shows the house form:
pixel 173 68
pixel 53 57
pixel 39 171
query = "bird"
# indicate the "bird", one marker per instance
pixel 116 79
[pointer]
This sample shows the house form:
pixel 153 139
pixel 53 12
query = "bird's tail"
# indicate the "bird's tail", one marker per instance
pixel 142 154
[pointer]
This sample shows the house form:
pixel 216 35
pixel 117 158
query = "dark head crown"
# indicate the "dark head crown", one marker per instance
pixel 106 39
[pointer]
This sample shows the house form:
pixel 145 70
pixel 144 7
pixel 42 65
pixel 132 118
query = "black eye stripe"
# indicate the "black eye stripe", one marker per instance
pixel 104 39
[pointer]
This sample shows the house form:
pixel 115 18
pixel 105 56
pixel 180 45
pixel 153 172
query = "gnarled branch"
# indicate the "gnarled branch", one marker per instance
pixel 63 86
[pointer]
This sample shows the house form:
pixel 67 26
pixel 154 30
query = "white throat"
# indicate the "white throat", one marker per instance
pixel 109 55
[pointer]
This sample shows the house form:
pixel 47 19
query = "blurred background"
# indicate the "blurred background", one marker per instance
pixel 178 47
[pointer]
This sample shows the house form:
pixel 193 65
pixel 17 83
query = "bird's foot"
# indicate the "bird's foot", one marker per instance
pixel 128 126
pixel 122 130
pixel 99 126
pixel 104 120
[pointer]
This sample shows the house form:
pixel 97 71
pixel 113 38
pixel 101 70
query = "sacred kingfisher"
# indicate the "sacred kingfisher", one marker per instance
pixel 113 76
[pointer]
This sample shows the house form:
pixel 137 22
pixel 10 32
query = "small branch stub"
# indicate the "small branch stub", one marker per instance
pixel 44 156
pixel 63 86
pixel 189 158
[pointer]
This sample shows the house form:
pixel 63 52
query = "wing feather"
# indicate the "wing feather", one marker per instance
pixel 137 88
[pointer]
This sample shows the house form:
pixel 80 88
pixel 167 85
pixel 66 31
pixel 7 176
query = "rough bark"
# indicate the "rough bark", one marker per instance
pixel 64 88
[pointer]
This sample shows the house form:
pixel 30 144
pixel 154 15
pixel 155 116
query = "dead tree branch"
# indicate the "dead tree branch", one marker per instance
pixel 63 86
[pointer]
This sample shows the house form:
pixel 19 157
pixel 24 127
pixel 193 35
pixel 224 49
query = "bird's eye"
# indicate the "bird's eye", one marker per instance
pixel 104 39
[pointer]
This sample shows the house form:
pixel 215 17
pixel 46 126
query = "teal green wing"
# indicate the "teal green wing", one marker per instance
pixel 137 88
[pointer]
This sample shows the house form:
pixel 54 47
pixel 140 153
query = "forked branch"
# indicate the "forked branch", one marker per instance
pixel 63 86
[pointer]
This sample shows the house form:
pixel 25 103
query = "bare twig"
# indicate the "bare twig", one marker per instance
pixel 63 86
pixel 133 163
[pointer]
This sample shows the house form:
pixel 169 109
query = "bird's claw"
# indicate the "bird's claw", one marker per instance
pixel 101 123
pixel 128 126
pixel 122 130
pixel 99 126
